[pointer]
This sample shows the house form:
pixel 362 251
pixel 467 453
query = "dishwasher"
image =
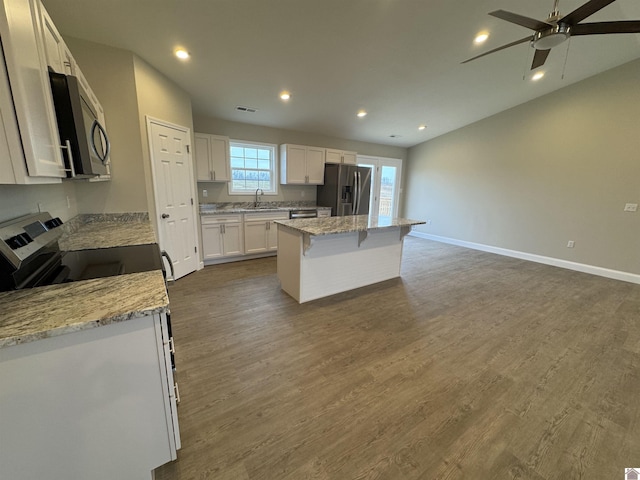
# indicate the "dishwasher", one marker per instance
pixel 293 214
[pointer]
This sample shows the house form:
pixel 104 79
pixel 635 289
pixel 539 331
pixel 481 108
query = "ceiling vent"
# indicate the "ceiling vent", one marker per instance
pixel 241 108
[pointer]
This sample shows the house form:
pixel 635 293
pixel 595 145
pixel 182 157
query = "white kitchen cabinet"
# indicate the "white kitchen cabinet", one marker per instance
pixel 301 164
pixel 341 156
pixel 211 153
pixel 98 403
pixel 261 231
pixel 222 236
pixel 24 56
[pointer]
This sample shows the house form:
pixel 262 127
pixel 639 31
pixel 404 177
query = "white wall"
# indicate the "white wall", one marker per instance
pixel 530 179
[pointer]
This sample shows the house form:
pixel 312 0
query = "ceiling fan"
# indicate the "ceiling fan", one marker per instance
pixel 557 28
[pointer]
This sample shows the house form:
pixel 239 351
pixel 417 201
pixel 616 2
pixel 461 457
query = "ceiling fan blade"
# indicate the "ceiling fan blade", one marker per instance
pixel 623 26
pixel 585 11
pixel 539 58
pixel 517 42
pixel 527 22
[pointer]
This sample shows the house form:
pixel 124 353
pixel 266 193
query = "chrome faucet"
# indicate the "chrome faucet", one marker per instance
pixel 257 202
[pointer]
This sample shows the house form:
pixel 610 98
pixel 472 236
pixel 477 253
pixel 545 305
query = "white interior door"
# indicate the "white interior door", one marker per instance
pixel 173 190
pixel 385 184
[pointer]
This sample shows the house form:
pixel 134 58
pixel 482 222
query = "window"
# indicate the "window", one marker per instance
pixel 253 166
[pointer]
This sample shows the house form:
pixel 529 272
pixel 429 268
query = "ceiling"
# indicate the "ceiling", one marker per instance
pixel 397 59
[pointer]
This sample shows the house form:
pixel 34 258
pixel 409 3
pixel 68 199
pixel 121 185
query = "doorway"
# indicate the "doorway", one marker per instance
pixel 385 184
pixel 173 192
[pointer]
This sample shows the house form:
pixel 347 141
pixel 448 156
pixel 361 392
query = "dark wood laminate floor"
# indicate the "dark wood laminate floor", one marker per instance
pixel 471 366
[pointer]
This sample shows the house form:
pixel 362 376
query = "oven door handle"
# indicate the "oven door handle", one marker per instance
pixel 173 273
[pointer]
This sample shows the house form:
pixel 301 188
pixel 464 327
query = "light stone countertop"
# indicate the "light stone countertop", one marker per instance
pixel 43 312
pixel 221 209
pixel 346 224
pixel 34 314
pixel 106 231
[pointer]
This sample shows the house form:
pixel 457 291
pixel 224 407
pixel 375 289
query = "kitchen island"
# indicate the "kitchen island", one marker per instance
pixel 318 257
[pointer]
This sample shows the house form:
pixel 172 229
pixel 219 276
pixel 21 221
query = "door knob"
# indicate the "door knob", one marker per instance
pixel 165 215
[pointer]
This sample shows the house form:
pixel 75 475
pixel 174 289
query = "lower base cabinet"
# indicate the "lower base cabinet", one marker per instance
pixel 222 236
pixel 98 403
pixel 261 232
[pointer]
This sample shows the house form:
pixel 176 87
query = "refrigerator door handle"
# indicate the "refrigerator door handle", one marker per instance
pixel 359 193
pixel 354 201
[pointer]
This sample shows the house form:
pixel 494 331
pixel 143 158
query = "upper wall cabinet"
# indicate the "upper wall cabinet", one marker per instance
pixel 212 157
pixel 300 164
pixel 341 156
pixel 21 32
pixel 31 45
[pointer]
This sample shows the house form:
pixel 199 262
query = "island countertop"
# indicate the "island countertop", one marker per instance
pixel 346 224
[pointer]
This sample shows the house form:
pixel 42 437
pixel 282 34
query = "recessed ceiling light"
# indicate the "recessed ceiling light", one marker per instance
pixel 537 76
pixel 361 114
pixel 422 127
pixel 285 95
pixel 481 38
pixel 182 54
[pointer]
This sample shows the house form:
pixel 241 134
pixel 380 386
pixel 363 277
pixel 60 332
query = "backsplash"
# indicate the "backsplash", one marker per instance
pixel 240 205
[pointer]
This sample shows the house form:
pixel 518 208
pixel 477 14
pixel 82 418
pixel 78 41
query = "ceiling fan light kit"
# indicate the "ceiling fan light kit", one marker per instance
pixel 557 28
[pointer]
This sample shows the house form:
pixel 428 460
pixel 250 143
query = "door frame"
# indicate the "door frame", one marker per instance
pixel 196 217
pixel 379 162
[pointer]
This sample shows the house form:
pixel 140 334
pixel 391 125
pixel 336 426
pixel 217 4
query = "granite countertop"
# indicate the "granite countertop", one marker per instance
pixel 247 207
pixel 43 312
pixel 346 224
pixel 33 314
pixel 105 231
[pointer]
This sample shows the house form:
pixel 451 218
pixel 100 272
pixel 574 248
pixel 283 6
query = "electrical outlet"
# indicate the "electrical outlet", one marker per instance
pixel 205 193
pixel 68 202
pixel 429 222
pixel 302 193
pixel 570 244
pixel 631 207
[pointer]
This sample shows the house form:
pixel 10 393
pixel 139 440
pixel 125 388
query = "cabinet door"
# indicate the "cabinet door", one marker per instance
pixel 232 241
pixel 315 165
pixel 202 155
pixel 255 236
pixel 212 241
pixel 333 156
pixel 220 158
pixel 53 44
pixel 296 159
pixel 349 158
pixel 272 236
pixel 27 68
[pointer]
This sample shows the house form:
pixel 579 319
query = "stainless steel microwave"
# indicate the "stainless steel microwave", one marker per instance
pixel 85 145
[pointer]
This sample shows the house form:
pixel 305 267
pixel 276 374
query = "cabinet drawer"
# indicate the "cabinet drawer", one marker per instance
pixel 215 219
pixel 264 216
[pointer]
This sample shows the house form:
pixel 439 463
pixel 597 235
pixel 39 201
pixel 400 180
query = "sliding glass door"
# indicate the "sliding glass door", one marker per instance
pixel 385 185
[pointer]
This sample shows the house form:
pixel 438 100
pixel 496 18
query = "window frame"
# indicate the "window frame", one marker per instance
pixel 274 168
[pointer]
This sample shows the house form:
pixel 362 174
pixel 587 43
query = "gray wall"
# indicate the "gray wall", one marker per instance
pixel 110 72
pixel 159 98
pixel 58 199
pixel 129 89
pixel 243 131
pixel 530 179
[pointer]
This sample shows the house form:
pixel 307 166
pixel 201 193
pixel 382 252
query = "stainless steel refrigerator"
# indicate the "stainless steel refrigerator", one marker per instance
pixel 346 189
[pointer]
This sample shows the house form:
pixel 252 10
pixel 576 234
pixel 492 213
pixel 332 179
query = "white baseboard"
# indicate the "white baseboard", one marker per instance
pixel 556 262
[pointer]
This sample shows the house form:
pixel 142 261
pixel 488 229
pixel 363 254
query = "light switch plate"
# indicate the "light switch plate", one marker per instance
pixel 631 207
